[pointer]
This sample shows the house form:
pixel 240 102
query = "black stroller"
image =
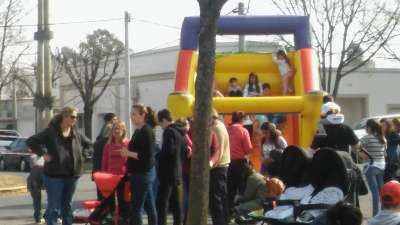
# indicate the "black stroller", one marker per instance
pixel 333 176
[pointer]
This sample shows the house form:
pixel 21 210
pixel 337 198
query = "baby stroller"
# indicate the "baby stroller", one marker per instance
pixel 294 172
pixel 334 177
pixel 105 212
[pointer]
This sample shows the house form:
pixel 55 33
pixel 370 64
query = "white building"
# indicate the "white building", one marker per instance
pixel 366 92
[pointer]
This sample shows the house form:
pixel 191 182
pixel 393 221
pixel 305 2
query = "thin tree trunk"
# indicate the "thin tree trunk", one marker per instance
pixel 338 78
pixel 87 119
pixel 199 178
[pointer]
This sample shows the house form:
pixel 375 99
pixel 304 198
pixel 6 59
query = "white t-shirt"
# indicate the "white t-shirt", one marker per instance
pixel 283 66
pixel 253 93
pixel 269 145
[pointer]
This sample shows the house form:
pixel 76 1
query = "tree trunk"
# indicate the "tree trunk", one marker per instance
pixel 336 86
pixel 87 119
pixel 200 171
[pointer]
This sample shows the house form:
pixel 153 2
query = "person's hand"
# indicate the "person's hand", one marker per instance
pixel 124 152
pixel 211 164
pixel 47 157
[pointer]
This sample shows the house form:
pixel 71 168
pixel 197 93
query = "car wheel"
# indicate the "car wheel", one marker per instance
pixel 2 164
pixel 23 165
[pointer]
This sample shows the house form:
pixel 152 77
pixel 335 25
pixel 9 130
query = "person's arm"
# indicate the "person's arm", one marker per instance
pixel 282 144
pixel 36 142
pixel 86 142
pixel 246 141
pixel 215 150
pixel 246 91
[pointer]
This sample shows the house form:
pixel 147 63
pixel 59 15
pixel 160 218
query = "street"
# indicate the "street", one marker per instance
pixel 17 210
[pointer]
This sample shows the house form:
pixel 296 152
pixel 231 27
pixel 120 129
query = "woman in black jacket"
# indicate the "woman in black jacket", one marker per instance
pixel 140 167
pixel 61 146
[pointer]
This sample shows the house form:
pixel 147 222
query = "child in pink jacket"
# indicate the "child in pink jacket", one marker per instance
pixel 113 162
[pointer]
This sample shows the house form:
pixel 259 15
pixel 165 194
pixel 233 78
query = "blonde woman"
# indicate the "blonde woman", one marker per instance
pixel 61 146
pixel 113 162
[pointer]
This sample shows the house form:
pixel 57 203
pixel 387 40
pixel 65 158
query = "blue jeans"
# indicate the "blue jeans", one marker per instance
pixel 35 186
pixel 59 197
pixel 142 197
pixel 374 177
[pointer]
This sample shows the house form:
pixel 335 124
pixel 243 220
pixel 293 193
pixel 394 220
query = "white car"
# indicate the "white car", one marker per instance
pixel 359 127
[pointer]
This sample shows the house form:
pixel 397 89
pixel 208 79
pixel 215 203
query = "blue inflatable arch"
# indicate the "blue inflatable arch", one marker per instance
pixel 299 26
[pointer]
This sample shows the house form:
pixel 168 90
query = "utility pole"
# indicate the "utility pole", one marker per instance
pixel 47 61
pixel 39 36
pixel 128 75
pixel 242 43
pixel 15 112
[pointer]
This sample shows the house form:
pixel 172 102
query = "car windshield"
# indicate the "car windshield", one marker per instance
pixel 5 143
pixel 360 124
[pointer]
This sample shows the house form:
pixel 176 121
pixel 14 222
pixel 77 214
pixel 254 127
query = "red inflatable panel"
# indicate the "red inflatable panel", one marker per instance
pixel 307 69
pixel 183 70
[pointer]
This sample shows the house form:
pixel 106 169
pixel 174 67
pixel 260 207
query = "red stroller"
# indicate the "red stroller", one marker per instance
pixel 107 211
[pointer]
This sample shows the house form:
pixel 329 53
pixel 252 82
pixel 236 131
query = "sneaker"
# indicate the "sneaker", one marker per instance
pixel 40 221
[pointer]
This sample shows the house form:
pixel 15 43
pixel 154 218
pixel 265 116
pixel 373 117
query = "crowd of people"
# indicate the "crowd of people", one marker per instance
pixel 155 161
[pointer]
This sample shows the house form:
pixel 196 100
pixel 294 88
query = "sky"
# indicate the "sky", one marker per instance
pixel 155 23
pixel 144 32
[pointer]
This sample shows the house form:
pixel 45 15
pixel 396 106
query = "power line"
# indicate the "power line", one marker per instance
pixel 156 23
pixel 66 23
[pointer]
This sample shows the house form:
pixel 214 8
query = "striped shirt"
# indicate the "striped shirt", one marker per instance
pixel 374 147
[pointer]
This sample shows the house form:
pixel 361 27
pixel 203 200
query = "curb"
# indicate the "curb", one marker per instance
pixel 12 188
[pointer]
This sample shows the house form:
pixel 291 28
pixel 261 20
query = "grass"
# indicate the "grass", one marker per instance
pixel 7 181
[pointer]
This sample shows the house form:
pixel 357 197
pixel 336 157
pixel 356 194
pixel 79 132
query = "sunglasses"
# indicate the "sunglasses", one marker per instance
pixel 73 117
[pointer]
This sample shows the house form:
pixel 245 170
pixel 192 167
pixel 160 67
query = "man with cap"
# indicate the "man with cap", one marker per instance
pixel 390 198
pixel 332 132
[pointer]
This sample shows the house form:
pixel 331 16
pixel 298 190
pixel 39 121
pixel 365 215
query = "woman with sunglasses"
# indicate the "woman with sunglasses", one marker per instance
pixel 61 146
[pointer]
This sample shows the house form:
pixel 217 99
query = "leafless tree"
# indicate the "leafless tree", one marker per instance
pixel 347 33
pixel 12 45
pixel 199 175
pixel 92 67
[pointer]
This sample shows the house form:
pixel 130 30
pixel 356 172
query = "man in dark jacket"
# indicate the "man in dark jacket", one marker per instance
pixel 170 169
pixel 61 146
pixel 98 147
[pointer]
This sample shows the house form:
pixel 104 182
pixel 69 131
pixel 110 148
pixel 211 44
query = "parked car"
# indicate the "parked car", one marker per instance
pixel 11 133
pixel 6 141
pixel 15 156
pixel 359 127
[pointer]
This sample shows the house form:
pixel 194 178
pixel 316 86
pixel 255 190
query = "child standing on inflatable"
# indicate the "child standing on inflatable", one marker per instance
pixel 283 62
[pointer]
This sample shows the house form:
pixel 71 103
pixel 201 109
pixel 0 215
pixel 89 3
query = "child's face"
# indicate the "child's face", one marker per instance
pixel 280 57
pixel 234 84
pixel 266 92
pixel 252 79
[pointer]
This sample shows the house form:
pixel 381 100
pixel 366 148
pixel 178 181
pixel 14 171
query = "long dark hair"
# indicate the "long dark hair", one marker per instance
pixel 376 130
pixel 389 124
pixel 271 128
pixel 257 84
pixel 150 117
pixel 283 54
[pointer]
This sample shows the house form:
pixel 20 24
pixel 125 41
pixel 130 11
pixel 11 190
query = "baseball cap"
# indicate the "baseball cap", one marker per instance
pixel 390 193
pixel 330 107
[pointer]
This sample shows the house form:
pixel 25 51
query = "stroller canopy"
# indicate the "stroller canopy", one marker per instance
pixel 295 167
pixel 330 168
